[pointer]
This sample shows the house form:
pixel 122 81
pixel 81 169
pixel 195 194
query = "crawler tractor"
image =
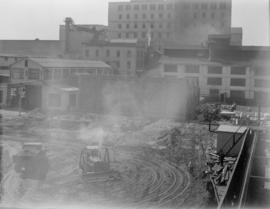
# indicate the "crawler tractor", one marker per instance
pixel 95 160
pixel 32 162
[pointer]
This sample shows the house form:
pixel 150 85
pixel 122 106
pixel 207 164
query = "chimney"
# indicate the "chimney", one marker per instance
pixel 68 22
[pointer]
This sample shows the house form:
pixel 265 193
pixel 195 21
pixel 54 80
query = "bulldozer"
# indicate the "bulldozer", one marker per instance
pixel 32 161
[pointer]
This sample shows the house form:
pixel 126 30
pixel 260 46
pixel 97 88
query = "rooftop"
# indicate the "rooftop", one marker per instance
pixel 231 129
pixel 65 63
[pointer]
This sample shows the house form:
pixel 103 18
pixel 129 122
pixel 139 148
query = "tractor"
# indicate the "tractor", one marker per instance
pixel 32 161
pixel 94 160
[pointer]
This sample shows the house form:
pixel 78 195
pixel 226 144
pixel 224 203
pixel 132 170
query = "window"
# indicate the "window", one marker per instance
pixel 192 69
pixel 107 52
pixel 160 6
pixel 144 7
pixel 1 96
pixel 127 26
pixel 214 81
pixel 262 97
pixel 152 16
pixel 143 34
pixel 33 74
pixel 86 53
pixel 119 35
pixel 135 16
pixel 160 15
pixel 204 6
pixel 135 25
pixel 143 25
pixel 152 25
pixel 26 63
pixel 6 58
pixel 136 7
pixel 203 15
pixel 186 5
pixel 169 16
pixel 170 68
pixel 48 74
pixel 120 7
pixel 144 16
pixel 222 5
pixel 128 65
pixel 135 34
pixel 73 100
pixel 169 6
pixel 152 7
pixel 261 83
pixel 213 92
pixel 195 15
pixel 222 15
pixel 128 7
pixel 159 35
pixel 17 73
pixel 117 63
pixel 54 100
pixel 128 53
pixel 213 5
pixel 213 15
pixel 119 26
pixel 160 25
pixel 118 53
pixel 127 35
pixel 97 52
pixel 214 70
pixel 169 25
pixel 238 82
pixel 120 17
pixel 66 73
pixel 238 70
pixel 128 16
pixel 195 6
pixel 57 74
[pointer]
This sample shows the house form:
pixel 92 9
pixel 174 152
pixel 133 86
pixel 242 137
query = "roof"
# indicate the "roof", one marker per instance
pixel 115 42
pixel 231 129
pixel 66 63
pixel 178 60
pixel 34 48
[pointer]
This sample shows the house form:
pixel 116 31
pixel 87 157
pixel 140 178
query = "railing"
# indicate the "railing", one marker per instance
pixel 236 184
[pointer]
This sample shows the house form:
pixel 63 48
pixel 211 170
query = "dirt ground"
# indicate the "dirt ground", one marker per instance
pixel 152 157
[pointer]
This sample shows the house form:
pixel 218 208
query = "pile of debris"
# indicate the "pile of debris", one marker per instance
pixel 220 168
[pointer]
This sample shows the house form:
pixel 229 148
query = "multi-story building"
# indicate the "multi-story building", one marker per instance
pixel 185 21
pixel 238 73
pixel 126 57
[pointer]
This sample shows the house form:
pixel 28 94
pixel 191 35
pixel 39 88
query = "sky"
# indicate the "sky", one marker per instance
pixel 30 19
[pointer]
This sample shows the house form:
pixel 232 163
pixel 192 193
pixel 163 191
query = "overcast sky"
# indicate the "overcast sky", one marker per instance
pixel 30 19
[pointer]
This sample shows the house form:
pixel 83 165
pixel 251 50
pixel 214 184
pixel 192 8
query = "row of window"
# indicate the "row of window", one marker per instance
pixel 218 81
pixel 212 15
pixel 145 16
pixel 108 53
pixel 162 7
pixel 143 35
pixel 145 7
pixel 211 69
pixel 144 25
pixel 204 5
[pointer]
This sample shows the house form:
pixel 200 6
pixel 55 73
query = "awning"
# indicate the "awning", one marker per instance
pixel 69 89
pixel 4 73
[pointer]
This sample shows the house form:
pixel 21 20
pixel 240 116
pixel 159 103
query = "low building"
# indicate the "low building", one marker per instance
pixel 124 56
pixel 45 83
pixel 225 72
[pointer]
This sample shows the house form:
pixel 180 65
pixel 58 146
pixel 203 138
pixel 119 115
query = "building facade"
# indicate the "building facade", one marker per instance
pixel 126 57
pixel 185 21
pixel 236 73
pixel 45 83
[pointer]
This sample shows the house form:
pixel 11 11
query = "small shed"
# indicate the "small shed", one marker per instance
pixel 229 136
